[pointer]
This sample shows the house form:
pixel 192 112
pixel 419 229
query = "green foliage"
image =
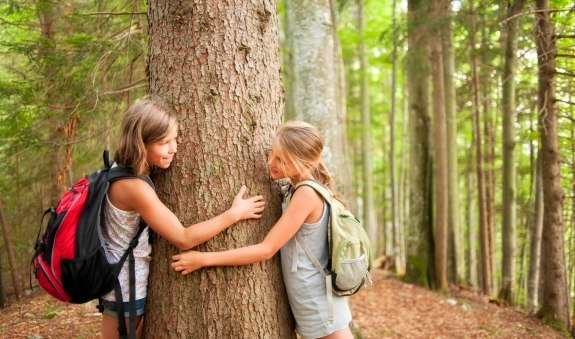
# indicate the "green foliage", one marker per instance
pixel 58 94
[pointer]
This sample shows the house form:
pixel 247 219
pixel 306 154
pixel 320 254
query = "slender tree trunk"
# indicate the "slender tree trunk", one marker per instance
pixel 555 303
pixel 471 224
pixel 535 246
pixel 509 194
pixel 367 170
pixel 10 252
pixel 489 147
pixel 315 79
pixel 2 289
pixel 403 206
pixel 392 150
pixel 486 274
pixel 344 173
pixel 228 95
pixel 441 163
pixel 455 235
pixel 420 240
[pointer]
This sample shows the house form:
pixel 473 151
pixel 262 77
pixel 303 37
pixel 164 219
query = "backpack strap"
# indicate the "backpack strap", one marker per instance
pixel 318 187
pixel 129 254
pixel 327 197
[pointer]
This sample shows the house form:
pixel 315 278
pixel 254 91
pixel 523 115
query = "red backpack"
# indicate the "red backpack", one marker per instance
pixel 70 260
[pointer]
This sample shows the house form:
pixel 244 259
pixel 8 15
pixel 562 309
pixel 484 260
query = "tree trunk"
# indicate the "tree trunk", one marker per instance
pixel 228 97
pixel 484 243
pixel 420 240
pixel 555 304
pixel 509 195
pixel 489 144
pixel 403 208
pixel 10 252
pixel 471 224
pixel 440 138
pixel 535 246
pixel 392 151
pixel 344 173
pixel 454 222
pixel 315 79
pixel 367 176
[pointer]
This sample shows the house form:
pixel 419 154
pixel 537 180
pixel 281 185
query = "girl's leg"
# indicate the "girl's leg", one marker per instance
pixel 110 326
pixel 344 333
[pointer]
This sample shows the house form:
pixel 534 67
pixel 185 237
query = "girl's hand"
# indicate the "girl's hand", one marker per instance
pixel 247 208
pixel 187 262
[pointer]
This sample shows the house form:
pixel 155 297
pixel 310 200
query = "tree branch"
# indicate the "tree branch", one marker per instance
pixel 572 75
pixel 137 84
pixel 115 13
pixel 503 22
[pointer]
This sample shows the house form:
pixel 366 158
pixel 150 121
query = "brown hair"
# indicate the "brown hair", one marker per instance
pixel 302 144
pixel 145 122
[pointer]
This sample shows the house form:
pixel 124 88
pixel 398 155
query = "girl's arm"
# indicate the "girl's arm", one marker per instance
pixel 143 199
pixel 302 204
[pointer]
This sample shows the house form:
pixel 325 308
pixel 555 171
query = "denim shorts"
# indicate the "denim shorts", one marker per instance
pixel 110 307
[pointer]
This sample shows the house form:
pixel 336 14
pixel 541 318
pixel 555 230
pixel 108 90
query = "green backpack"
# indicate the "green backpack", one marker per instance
pixel 349 248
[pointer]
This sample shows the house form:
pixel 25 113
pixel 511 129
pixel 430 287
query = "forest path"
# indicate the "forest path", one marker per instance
pixel 387 309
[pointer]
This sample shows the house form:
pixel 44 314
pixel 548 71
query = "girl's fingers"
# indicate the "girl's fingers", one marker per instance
pixel 260 204
pixel 242 191
pixel 257 198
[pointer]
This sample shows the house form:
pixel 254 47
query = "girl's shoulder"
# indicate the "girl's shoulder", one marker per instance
pixel 306 194
pixel 124 192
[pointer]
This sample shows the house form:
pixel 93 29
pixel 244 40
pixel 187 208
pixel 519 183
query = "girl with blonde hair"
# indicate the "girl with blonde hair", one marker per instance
pixel 296 155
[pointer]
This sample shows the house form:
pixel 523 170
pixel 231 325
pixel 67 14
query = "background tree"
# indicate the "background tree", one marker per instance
pixel 509 181
pixel 314 79
pixel 555 303
pixel 419 240
pixel 455 245
pixel 440 147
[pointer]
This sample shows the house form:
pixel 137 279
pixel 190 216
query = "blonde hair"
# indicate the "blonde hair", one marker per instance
pixel 302 144
pixel 145 122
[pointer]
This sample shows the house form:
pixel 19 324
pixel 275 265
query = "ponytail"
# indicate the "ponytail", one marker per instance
pixel 321 173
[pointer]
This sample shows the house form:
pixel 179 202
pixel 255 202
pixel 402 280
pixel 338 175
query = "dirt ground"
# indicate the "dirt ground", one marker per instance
pixel 387 309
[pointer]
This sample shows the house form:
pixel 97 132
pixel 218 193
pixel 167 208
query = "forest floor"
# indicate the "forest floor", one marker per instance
pixel 387 309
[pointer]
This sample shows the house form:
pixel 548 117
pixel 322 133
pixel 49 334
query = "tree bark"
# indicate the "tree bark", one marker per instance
pixel 455 247
pixel 315 79
pixel 535 246
pixel 509 194
pixel 489 142
pixel 10 252
pixel 441 163
pixel 555 304
pixel 396 226
pixel 217 65
pixel 367 169
pixel 484 243
pixel 472 274
pixel 419 243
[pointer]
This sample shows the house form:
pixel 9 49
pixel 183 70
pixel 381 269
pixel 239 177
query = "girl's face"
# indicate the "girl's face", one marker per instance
pixel 161 153
pixel 279 166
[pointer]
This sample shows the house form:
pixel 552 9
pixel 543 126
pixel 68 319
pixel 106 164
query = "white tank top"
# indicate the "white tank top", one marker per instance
pixel 120 227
